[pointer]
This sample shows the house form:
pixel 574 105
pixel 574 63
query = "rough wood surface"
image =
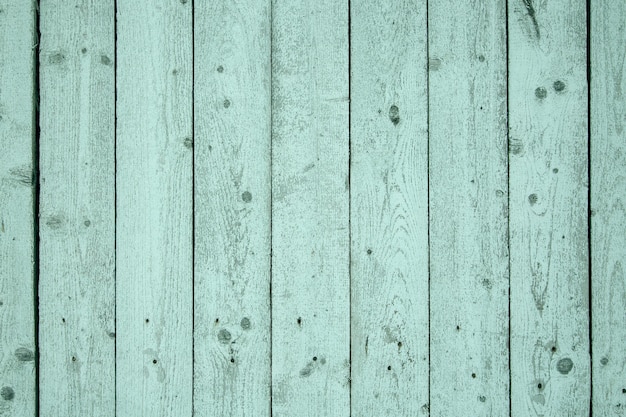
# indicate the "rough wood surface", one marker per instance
pixel 232 208
pixel 548 208
pixel 389 208
pixel 77 209
pixel 17 133
pixel 310 254
pixel 468 209
pixel 154 208
pixel 608 207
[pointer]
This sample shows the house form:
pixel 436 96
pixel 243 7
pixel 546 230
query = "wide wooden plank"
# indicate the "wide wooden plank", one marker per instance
pixel 154 208
pixel 310 234
pixel 608 206
pixel 550 373
pixel 77 209
pixel 17 178
pixel 469 279
pixel 389 208
pixel 232 208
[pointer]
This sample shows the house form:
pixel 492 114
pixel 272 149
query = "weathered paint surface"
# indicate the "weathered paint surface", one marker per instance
pixel 469 277
pixel 256 208
pixel 608 207
pixel 548 177
pixel 310 209
pixel 389 208
pixel 154 252
pixel 231 147
pixel 77 209
pixel 17 184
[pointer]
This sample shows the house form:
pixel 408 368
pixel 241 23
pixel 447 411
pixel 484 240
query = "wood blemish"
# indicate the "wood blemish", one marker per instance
pixel 434 64
pixel 394 115
pixel 105 60
pixel 558 86
pixel 22 175
pixel 532 14
pixel 224 336
pixel 245 323
pixel 246 196
pixel 541 93
pixel 307 370
pixel 564 366
pixel 56 58
pixel 516 146
pixel 24 355
pixel 56 221
pixel 7 393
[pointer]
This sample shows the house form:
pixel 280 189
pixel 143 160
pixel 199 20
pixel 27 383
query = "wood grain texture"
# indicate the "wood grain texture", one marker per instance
pixel 232 208
pixel 468 209
pixel 310 251
pixel 17 179
pixel 389 208
pixel 548 208
pixel 608 205
pixel 77 209
pixel 154 208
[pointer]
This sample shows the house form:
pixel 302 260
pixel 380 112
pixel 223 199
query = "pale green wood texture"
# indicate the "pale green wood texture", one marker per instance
pixel 548 208
pixel 389 208
pixel 608 206
pixel 17 133
pixel 310 251
pixel 154 208
pixel 469 278
pixel 232 208
pixel 77 240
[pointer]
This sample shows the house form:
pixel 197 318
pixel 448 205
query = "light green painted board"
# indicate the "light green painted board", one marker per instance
pixel 232 208
pixel 469 279
pixel 608 205
pixel 154 208
pixel 548 208
pixel 310 251
pixel 389 208
pixel 77 210
pixel 17 133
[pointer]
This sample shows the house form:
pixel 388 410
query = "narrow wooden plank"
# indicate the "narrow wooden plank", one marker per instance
pixel 154 208
pixel 17 131
pixel 608 204
pixel 468 209
pixel 232 208
pixel 310 230
pixel 550 373
pixel 77 209
pixel 389 208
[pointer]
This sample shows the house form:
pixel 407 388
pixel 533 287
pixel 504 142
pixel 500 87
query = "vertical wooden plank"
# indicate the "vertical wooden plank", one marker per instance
pixel 17 131
pixel 608 204
pixel 232 208
pixel 310 223
pixel 77 209
pixel 468 209
pixel 550 373
pixel 154 208
pixel 389 208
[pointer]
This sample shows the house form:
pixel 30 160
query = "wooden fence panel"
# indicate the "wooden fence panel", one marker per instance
pixel 548 208
pixel 232 208
pixel 77 209
pixel 608 206
pixel 389 208
pixel 468 209
pixel 154 208
pixel 310 234
pixel 18 390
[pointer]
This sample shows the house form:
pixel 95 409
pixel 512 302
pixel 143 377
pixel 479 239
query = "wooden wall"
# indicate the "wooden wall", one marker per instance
pixel 294 208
